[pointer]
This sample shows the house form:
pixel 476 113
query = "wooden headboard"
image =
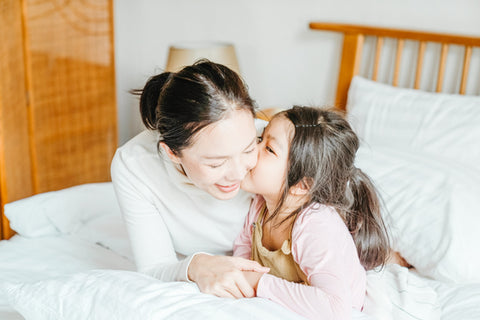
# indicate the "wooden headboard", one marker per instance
pixel 353 45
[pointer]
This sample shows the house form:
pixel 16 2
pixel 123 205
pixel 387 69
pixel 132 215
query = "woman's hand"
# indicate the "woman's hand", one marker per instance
pixel 223 276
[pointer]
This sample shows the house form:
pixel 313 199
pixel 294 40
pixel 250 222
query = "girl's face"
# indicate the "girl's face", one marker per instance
pixel 221 155
pixel 268 177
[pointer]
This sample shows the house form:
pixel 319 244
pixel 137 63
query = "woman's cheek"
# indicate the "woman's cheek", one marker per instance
pixel 253 159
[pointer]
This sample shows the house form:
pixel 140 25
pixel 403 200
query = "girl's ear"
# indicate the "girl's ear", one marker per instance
pixel 301 188
pixel 170 153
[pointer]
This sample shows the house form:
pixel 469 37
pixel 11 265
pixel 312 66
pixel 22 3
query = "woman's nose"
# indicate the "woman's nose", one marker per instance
pixel 239 168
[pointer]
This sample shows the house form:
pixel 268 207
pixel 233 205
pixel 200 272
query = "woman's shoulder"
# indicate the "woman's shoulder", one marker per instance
pixel 139 158
pixel 143 143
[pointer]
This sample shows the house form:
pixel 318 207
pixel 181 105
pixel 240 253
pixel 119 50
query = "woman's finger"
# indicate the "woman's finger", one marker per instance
pixel 245 287
pixel 234 291
pixel 223 294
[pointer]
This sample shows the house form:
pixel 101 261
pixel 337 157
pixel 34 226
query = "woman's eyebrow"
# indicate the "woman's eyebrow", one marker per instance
pixel 226 157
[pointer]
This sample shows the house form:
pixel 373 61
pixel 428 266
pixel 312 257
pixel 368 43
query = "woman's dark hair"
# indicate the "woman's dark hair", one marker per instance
pixel 180 104
pixel 322 154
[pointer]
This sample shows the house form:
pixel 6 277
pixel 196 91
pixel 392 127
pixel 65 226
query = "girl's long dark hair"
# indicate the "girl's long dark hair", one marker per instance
pixel 322 154
pixel 181 104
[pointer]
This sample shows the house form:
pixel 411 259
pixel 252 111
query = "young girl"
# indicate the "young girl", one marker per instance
pixel 315 221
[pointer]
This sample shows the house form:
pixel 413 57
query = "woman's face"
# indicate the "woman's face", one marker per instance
pixel 221 155
pixel 268 176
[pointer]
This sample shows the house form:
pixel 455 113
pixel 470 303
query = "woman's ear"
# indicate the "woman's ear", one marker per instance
pixel 301 188
pixel 170 153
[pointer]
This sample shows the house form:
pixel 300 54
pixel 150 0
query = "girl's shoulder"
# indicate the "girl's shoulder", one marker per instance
pixel 318 211
pixel 256 207
pixel 319 217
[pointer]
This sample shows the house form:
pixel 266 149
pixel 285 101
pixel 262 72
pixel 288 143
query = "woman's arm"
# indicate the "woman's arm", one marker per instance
pixel 150 240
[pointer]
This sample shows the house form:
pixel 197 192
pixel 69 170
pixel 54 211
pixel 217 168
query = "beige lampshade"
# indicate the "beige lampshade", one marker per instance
pixel 184 54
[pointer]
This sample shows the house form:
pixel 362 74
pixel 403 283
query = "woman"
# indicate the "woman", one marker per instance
pixel 178 184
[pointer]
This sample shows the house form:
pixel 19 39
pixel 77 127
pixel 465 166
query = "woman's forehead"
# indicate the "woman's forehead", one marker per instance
pixel 225 137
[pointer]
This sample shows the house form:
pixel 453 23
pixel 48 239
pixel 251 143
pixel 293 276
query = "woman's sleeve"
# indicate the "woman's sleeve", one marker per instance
pixel 319 251
pixel 150 240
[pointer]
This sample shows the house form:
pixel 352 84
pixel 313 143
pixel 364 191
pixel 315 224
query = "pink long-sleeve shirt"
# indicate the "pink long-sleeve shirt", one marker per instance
pixel 324 250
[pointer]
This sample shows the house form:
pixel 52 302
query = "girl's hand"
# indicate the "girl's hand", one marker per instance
pixel 222 276
pixel 253 278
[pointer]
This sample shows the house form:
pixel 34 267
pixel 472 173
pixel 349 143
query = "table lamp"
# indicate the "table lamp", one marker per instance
pixel 184 54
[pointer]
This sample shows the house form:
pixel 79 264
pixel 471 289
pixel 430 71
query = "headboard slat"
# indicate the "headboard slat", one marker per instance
pixel 419 67
pixel 398 59
pixel 378 51
pixel 441 67
pixel 466 65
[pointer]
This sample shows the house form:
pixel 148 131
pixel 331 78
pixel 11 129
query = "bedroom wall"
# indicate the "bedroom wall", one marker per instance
pixel 282 61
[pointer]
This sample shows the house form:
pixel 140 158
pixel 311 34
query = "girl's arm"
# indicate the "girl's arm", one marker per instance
pixel 326 253
pixel 312 302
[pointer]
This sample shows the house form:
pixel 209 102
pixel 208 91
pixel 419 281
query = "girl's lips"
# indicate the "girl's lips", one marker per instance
pixel 229 188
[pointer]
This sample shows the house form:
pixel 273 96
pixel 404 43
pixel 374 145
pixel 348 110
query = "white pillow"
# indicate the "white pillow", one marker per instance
pixel 115 294
pixel 62 211
pixel 433 210
pixel 108 231
pixel 437 124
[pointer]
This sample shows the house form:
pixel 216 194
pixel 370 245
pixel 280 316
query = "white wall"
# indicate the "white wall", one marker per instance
pixel 282 61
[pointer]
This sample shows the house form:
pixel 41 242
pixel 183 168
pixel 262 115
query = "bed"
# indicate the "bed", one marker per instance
pixel 70 257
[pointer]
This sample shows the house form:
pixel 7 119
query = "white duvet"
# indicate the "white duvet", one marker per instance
pixel 88 274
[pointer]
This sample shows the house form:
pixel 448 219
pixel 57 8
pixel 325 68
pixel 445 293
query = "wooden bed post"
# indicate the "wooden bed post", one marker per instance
pixel 350 66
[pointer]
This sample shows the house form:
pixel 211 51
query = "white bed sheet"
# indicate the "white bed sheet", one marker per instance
pixel 396 293
pixel 24 260
pixel 27 260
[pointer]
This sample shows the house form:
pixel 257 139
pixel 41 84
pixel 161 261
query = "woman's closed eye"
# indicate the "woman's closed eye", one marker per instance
pixel 250 150
pixel 217 165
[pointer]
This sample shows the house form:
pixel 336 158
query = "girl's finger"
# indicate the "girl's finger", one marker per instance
pixel 245 287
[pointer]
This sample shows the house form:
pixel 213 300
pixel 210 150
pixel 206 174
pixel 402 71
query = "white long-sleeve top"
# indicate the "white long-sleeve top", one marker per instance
pixel 168 218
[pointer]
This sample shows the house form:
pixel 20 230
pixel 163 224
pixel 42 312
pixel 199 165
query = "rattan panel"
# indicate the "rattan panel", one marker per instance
pixel 15 168
pixel 71 80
